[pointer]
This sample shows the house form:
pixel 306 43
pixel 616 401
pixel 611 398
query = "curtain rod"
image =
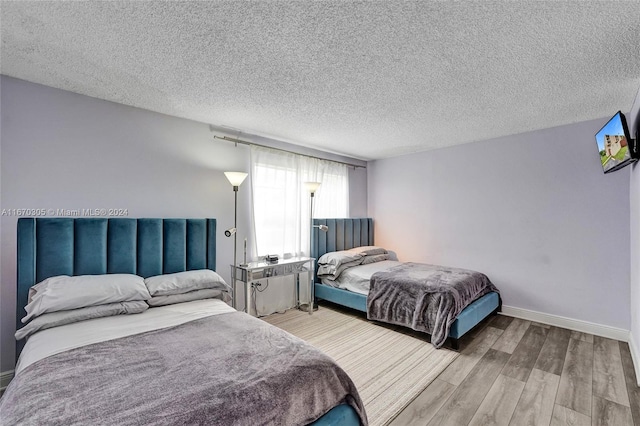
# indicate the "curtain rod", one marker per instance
pixel 240 141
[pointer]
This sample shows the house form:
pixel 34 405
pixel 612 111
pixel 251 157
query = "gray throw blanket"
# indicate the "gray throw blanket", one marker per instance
pixel 228 369
pixel 426 298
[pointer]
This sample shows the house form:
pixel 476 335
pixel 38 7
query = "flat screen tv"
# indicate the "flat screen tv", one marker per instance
pixel 616 148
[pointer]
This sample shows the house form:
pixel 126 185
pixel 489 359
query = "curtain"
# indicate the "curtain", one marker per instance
pixel 281 214
pixel 281 219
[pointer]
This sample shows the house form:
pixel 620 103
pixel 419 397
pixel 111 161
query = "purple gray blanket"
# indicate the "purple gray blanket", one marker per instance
pixel 228 369
pixel 426 298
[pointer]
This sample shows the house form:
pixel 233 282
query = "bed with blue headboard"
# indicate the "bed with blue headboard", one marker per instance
pixel 348 233
pixel 149 247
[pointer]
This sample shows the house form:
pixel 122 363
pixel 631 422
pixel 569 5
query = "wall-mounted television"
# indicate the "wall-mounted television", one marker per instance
pixel 615 146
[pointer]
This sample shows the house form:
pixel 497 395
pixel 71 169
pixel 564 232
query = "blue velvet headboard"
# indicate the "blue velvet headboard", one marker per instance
pixel 86 246
pixel 343 234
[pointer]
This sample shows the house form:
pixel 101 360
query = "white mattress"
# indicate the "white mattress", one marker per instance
pixel 358 278
pixel 59 339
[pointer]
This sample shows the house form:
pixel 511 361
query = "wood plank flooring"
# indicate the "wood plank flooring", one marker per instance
pixel 516 372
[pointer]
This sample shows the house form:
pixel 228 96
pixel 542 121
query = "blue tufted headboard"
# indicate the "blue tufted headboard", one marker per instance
pixel 343 234
pixel 86 246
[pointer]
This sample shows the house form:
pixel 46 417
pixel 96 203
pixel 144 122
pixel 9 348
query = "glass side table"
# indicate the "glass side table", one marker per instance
pixel 260 270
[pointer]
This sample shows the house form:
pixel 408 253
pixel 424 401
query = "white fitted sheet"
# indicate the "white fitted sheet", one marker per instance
pixel 59 339
pixel 358 278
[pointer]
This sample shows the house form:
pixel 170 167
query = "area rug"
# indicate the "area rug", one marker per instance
pixel 389 367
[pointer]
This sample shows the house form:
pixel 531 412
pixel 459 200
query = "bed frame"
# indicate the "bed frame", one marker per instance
pixel 86 246
pixel 344 234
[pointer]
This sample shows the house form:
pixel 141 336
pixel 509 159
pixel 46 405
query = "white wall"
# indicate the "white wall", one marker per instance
pixel 634 342
pixel 633 120
pixel 533 211
pixel 63 150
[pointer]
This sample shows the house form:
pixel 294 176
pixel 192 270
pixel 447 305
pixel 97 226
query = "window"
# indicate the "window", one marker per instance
pixel 281 203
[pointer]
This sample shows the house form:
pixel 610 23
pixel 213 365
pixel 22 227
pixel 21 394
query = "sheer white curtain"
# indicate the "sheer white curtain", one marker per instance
pixel 281 216
pixel 281 220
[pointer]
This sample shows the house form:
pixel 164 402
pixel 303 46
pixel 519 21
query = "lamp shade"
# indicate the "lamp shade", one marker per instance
pixel 312 187
pixel 235 178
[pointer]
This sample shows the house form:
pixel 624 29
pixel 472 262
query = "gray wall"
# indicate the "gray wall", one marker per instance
pixel 63 150
pixel 533 211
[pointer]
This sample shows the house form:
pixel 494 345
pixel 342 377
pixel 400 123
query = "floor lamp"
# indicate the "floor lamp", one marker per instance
pixel 312 187
pixel 235 179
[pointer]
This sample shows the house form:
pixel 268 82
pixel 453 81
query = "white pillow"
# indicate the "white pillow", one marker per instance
pixel 56 319
pixel 330 263
pixel 375 258
pixel 184 282
pixel 368 250
pixel 207 293
pixel 62 293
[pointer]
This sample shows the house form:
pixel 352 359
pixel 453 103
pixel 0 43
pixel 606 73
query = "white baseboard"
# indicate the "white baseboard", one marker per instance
pixel 568 323
pixel 5 378
pixel 635 356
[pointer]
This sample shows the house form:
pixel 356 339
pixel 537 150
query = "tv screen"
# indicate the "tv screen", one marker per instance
pixel 614 144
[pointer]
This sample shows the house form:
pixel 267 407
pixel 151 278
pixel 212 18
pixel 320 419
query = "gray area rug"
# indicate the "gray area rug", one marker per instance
pixel 389 368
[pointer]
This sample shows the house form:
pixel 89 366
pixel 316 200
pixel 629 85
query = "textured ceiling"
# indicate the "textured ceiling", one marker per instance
pixel 365 79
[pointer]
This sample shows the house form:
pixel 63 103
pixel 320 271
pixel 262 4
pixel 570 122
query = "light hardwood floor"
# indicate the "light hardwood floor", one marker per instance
pixel 516 372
